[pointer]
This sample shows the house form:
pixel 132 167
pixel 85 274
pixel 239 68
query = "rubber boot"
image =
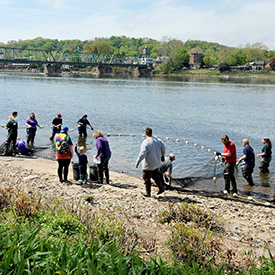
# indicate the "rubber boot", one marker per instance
pixel 85 178
pixel 52 137
pixel 148 191
pixel 100 174
pixel 81 178
pixel 107 176
pixel 6 148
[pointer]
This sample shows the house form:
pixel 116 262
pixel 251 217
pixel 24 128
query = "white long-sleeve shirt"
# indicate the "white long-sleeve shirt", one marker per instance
pixel 152 148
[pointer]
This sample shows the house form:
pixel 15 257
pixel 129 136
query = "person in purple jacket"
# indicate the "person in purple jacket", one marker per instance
pixel 104 153
pixel 31 124
pixel 23 148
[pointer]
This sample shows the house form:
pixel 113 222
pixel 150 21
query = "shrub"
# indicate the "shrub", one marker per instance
pixel 6 195
pixel 188 212
pixel 224 67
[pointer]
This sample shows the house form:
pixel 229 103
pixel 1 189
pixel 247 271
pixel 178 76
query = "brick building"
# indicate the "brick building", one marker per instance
pixel 196 59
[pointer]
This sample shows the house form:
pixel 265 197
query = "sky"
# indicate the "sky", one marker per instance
pixel 227 22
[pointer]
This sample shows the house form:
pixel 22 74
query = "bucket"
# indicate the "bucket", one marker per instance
pixel 76 171
pixel 93 173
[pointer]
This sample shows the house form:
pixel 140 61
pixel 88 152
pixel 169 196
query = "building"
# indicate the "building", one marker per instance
pixel 257 65
pixel 196 59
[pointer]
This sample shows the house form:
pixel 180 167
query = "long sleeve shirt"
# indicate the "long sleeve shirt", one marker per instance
pixel 102 146
pixel 152 148
pixel 82 158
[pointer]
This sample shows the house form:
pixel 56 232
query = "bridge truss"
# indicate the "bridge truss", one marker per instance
pixel 35 56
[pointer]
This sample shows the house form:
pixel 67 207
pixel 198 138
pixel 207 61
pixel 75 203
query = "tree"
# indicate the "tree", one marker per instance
pixel 153 55
pixel 170 46
pixel 224 67
pixel 256 52
pixel 132 53
pixel 272 64
pixel 210 58
pixel 180 58
pixel 166 67
pixel 271 54
pixel 102 47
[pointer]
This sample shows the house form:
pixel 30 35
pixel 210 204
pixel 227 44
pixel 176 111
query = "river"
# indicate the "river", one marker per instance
pixel 194 109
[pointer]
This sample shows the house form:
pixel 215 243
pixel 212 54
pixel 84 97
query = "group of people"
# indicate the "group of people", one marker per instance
pixel 152 154
pixel 17 143
pixel 82 126
pixel 154 164
pixel 247 161
pixel 64 154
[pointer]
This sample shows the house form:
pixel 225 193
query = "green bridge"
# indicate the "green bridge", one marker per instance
pixel 52 61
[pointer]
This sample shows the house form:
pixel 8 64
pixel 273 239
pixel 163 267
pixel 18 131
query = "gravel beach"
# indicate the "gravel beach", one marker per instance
pixel 248 227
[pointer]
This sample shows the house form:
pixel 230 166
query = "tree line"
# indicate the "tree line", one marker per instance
pixel 175 51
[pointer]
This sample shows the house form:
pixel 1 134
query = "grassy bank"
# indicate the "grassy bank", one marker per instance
pixel 39 235
pixel 208 72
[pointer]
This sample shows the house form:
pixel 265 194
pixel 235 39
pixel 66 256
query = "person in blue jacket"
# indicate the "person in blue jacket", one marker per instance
pixel 56 124
pixel 82 162
pixel 248 159
pixel 82 126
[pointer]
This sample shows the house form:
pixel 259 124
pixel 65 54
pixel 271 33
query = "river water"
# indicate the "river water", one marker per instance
pixel 194 109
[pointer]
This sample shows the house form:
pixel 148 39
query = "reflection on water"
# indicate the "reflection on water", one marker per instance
pixel 194 109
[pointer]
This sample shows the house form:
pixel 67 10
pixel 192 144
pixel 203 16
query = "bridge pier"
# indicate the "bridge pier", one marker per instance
pixel 101 70
pixel 143 72
pixel 52 70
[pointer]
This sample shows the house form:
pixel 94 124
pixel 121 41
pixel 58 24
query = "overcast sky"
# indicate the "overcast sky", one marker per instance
pixel 228 22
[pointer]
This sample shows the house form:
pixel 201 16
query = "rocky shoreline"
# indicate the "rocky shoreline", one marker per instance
pixel 248 227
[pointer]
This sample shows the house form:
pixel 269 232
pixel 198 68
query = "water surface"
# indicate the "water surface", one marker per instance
pixel 198 110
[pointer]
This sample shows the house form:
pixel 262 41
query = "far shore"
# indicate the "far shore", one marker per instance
pixel 188 73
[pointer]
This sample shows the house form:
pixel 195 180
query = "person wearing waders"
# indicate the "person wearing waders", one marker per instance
pixel 82 126
pixel 266 155
pixel 230 157
pixel 151 155
pixel 12 127
pixel 31 124
pixel 56 124
pixel 248 164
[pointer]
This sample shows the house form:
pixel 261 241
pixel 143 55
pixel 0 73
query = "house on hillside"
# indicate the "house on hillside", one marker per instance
pixel 196 59
pixel 159 60
pixel 257 65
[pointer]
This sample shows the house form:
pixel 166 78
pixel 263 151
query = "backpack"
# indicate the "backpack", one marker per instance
pixel 64 147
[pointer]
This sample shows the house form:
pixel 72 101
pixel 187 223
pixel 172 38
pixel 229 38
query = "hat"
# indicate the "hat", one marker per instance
pixel 172 156
pixel 64 129
pixel 59 114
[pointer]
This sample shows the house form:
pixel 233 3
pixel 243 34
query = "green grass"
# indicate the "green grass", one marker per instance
pixel 42 237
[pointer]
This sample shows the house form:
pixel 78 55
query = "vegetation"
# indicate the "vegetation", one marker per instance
pixel 173 52
pixel 39 236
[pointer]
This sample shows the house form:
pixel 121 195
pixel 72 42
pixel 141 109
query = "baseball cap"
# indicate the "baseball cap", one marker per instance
pixel 172 156
pixel 64 129
pixel 59 114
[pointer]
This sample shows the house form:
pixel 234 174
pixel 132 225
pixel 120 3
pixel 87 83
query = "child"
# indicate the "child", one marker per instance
pixel 82 162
